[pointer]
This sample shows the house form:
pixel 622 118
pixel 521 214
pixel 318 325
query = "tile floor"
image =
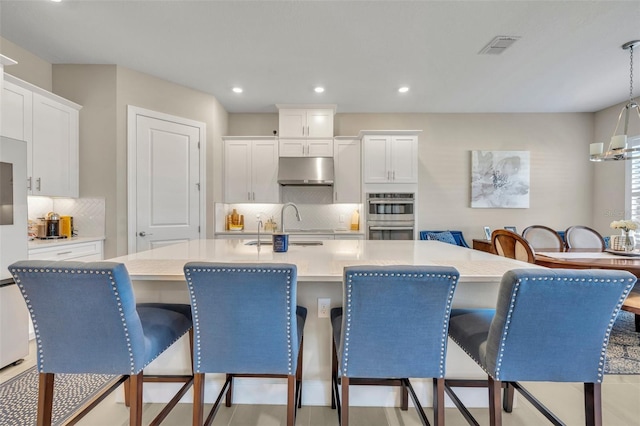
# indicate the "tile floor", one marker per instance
pixel 621 407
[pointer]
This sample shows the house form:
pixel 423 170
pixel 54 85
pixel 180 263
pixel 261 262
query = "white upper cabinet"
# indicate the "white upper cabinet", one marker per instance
pixel 346 162
pixel 251 170
pixel 306 132
pixel 50 126
pixel 391 158
pixel 306 123
pixel 306 147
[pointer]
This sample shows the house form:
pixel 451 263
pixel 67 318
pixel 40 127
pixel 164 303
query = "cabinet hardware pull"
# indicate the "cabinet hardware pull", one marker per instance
pixel 29 183
pixel 249 196
pixel 394 175
pixel 64 252
pixel 254 196
pixel 38 184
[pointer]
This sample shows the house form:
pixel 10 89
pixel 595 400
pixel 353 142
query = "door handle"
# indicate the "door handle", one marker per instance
pixel 143 234
pixel 38 184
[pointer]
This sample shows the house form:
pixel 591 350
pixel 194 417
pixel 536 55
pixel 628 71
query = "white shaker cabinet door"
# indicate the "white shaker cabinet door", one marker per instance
pixel 320 123
pixel 55 148
pixel 404 164
pixel 292 123
pixel 16 112
pixel 376 154
pixel 237 171
pixel 265 172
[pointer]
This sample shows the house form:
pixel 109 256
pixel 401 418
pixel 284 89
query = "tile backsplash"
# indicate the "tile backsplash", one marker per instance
pixel 314 216
pixel 88 213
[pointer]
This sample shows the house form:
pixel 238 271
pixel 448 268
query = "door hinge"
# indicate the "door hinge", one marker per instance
pixel 198 186
pixel 198 145
pixel 198 229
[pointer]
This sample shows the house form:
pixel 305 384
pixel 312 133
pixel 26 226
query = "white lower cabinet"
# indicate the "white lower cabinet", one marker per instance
pixel 85 251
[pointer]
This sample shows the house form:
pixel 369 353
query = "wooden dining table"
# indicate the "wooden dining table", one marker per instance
pixel 595 259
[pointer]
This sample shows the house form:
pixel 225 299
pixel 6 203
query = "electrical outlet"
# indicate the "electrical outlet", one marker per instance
pixel 324 307
pixel 341 218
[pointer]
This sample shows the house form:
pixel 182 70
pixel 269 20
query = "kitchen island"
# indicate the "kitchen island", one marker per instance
pixel 157 275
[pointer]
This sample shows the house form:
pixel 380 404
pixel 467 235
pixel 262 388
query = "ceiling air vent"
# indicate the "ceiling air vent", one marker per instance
pixel 498 45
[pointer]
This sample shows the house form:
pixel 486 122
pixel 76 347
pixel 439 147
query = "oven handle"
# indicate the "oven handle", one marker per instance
pixel 391 228
pixel 396 201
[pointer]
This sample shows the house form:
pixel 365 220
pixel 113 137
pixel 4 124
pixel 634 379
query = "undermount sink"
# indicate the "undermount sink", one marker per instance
pixel 291 243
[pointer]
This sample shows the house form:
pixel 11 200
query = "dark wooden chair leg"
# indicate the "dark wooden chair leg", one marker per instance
pixel 344 414
pixel 438 402
pixel 45 398
pixel 334 372
pixel 593 404
pixel 495 411
pixel 404 397
pixel 291 400
pixel 228 401
pixel 507 398
pixel 299 375
pixel 198 398
pixel 135 400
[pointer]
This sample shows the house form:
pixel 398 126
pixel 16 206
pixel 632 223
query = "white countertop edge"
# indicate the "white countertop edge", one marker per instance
pixel 36 244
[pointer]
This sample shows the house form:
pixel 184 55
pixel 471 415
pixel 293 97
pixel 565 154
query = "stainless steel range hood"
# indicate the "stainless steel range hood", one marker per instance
pixel 305 171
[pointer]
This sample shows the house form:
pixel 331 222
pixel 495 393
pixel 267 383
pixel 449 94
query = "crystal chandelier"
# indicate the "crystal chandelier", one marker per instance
pixel 617 149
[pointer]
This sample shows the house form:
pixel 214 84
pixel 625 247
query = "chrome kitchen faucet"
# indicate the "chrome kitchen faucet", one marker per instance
pixel 282 214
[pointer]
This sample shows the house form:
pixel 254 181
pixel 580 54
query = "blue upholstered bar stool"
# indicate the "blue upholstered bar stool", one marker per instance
pixel 393 326
pixel 246 324
pixel 86 321
pixel 549 325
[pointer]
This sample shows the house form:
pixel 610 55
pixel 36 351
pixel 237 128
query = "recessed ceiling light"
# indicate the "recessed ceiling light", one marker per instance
pixel 237 90
pixel 403 89
pixel 56 1
pixel 319 89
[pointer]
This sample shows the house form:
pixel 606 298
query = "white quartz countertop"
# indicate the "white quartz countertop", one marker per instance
pixel 320 263
pixel 33 244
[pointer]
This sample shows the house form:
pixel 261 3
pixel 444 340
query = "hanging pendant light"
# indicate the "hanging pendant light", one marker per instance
pixel 617 149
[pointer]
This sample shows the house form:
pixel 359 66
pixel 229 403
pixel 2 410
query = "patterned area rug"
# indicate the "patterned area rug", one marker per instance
pixel 72 392
pixel 623 352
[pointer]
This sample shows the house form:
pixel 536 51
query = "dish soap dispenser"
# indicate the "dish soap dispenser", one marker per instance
pixel 355 220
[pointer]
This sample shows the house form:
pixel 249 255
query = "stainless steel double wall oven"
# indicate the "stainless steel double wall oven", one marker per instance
pixel 390 216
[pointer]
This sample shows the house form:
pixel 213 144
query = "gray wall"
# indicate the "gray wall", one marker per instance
pixel 561 193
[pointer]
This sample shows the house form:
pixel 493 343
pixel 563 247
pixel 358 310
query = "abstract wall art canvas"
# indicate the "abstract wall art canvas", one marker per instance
pixel 500 179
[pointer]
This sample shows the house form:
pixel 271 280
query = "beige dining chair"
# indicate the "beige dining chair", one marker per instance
pixel 543 238
pixel 511 245
pixel 583 237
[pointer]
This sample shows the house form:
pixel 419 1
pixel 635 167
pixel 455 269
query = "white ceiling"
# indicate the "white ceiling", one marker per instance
pixel 568 58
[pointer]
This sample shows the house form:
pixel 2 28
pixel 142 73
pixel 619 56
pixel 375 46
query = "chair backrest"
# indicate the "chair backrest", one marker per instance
pixel 396 320
pixel 583 237
pixel 511 245
pixel 554 324
pixel 442 236
pixel 244 317
pixel 84 316
pixel 543 237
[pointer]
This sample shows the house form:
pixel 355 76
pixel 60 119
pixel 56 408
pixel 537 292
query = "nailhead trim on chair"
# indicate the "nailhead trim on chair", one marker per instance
pixel 196 317
pixel 118 300
pixel 603 350
pixel 73 271
pixel 347 331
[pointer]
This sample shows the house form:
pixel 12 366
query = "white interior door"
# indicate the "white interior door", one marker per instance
pixel 167 181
